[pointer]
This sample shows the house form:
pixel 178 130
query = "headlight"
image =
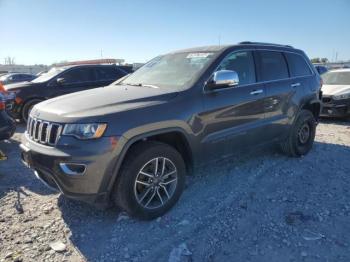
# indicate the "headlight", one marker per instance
pixel 84 131
pixel 342 96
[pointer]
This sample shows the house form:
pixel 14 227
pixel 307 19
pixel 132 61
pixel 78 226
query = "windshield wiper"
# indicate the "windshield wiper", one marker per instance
pixel 139 84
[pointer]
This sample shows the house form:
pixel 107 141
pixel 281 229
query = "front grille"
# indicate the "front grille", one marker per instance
pixel 43 132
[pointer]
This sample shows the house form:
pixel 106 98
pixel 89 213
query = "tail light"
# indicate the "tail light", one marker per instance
pixel 2 105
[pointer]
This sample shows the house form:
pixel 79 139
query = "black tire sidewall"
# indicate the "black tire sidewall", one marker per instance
pixel 126 196
pixel 304 117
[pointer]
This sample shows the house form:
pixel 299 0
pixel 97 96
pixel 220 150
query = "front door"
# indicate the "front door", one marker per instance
pixel 74 80
pixel 234 116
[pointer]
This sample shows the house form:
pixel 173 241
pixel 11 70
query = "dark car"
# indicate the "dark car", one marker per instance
pixel 7 124
pixel 16 78
pixel 133 142
pixel 59 81
pixel 336 93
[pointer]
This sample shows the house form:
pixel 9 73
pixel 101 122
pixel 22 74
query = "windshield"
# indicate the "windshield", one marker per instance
pixel 50 74
pixel 170 71
pixel 336 78
pixel 3 78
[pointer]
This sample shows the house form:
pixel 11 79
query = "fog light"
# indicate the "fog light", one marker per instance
pixel 73 169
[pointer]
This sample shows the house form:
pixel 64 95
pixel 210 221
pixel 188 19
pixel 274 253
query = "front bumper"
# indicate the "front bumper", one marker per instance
pixel 336 108
pixel 90 185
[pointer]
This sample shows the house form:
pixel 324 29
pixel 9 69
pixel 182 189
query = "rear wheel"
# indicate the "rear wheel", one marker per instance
pixel 151 180
pixel 28 106
pixel 302 135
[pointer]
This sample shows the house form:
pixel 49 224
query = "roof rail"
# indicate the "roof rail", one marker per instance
pixel 262 43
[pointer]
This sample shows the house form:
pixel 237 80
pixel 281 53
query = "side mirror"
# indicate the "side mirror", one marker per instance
pixel 60 80
pixel 223 78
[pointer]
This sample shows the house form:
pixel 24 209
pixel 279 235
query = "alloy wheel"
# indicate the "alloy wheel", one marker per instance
pixel 155 183
pixel 304 134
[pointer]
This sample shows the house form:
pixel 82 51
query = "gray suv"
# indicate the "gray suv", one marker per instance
pixel 133 142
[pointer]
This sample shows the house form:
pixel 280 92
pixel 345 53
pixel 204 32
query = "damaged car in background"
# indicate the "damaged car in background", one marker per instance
pixel 336 93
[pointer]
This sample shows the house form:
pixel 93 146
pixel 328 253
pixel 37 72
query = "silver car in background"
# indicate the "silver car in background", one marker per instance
pixel 336 93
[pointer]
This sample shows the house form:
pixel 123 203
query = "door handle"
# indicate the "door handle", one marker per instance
pixel 256 92
pixel 295 85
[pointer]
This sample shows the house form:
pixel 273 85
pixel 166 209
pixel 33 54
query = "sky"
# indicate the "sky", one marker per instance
pixel 48 31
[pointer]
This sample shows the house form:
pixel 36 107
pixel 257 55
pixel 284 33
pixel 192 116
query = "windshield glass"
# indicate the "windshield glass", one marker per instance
pixel 50 74
pixel 336 78
pixel 170 71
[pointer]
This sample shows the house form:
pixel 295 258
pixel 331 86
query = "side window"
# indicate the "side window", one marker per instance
pixel 108 73
pixel 16 77
pixel 23 77
pixel 297 65
pixel 272 66
pixel 242 63
pixel 78 75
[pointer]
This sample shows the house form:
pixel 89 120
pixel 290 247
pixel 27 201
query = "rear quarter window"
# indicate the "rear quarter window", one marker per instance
pixel 272 66
pixel 297 65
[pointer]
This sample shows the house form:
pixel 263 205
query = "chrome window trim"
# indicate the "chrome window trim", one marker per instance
pixel 259 82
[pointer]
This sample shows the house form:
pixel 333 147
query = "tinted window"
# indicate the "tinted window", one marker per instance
pixel 78 75
pixel 243 64
pixel 25 77
pixel 16 77
pixel 108 73
pixel 297 65
pixel 273 66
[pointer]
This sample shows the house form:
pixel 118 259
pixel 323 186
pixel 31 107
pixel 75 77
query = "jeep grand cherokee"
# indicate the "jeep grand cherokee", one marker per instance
pixel 133 142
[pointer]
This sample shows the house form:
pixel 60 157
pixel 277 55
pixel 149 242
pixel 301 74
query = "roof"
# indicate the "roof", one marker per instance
pixel 219 48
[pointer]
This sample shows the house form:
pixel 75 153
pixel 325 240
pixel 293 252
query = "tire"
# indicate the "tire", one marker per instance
pixel 147 199
pixel 27 107
pixel 302 135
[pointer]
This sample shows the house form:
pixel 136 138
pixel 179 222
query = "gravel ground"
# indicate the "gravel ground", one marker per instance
pixel 260 206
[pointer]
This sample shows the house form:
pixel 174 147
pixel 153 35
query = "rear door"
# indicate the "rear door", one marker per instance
pixel 105 75
pixel 273 72
pixel 234 116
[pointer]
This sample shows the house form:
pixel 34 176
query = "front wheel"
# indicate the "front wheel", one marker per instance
pixel 151 180
pixel 301 136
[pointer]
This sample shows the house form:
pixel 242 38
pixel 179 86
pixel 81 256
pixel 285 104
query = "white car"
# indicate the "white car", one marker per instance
pixel 336 93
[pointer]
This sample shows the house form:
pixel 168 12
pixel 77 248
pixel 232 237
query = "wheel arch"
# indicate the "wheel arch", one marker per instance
pixel 314 106
pixel 175 137
pixel 28 100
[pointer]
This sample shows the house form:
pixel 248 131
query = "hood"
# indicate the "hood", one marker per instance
pixel 16 86
pixel 330 90
pixel 101 101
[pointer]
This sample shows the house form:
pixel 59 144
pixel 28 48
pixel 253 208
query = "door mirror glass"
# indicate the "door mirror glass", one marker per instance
pixel 60 80
pixel 224 78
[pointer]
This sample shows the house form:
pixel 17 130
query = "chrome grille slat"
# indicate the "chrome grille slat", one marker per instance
pixel 43 132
